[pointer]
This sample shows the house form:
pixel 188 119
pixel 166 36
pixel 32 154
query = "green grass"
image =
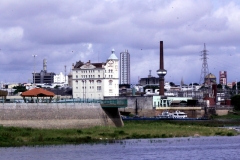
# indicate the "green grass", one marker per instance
pixel 13 136
pixel 233 116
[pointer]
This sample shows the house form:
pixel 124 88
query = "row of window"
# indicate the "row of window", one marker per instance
pixel 92 71
pixel 99 88
pixel 92 87
pixel 87 76
pixel 92 81
pixel 88 71
pixel 92 76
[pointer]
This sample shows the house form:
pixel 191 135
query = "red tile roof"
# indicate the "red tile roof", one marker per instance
pixel 37 92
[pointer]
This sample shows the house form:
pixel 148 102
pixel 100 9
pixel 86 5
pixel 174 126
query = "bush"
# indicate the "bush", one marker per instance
pixel 235 101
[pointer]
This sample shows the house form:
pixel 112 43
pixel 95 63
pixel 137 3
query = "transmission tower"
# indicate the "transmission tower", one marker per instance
pixel 204 71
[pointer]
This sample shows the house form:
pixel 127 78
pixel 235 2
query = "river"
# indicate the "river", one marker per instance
pixel 207 148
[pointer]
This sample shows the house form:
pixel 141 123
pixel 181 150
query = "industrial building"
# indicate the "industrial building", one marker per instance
pixel 150 80
pixel 43 76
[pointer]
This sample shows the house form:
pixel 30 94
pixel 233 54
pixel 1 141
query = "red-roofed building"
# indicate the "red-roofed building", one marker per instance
pixel 38 93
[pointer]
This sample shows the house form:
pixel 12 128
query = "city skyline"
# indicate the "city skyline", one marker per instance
pixel 64 32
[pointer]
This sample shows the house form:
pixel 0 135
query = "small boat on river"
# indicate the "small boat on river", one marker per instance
pixel 165 114
pixel 179 114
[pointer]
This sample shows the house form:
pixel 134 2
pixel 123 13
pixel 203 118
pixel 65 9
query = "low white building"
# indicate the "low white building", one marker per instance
pixel 96 80
pixel 60 78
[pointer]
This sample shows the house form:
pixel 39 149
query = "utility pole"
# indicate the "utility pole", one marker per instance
pixel 34 70
pixel 236 88
pixel 65 74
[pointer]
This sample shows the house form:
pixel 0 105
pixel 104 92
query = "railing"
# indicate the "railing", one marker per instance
pixel 104 103
pixel 119 103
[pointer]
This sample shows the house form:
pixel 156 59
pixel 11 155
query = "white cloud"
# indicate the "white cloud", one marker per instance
pixel 68 31
pixel 9 36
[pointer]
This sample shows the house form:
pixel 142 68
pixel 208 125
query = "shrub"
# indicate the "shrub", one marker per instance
pixel 235 101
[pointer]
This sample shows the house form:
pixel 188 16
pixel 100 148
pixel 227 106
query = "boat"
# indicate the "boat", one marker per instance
pixel 179 114
pixel 165 114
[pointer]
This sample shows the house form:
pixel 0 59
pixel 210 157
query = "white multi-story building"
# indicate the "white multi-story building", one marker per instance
pixel 60 78
pixel 125 67
pixel 96 80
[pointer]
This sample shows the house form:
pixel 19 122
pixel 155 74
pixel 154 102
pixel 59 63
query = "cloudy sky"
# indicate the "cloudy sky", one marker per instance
pixel 64 32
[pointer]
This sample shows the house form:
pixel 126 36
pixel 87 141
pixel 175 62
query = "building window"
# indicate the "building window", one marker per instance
pixel 110 82
pixel 98 88
pixel 98 76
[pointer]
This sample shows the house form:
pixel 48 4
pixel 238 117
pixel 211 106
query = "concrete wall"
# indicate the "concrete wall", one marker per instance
pixel 145 107
pixel 54 115
pixel 142 102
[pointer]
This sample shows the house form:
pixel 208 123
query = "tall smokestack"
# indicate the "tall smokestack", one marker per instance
pixel 161 72
pixel 161 78
pixel 161 55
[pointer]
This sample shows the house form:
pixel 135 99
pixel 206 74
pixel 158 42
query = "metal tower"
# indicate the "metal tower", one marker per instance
pixel 204 71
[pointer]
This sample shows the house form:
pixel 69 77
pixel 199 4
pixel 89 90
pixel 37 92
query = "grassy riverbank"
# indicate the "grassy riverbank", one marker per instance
pixel 13 136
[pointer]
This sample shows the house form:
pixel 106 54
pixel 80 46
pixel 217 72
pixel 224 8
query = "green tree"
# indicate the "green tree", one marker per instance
pixel 195 84
pixel 57 86
pixel 172 84
pixel 19 89
pixel 235 101
pixel 219 86
pixel 238 86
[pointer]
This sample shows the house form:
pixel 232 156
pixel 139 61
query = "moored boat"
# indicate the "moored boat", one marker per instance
pixel 179 114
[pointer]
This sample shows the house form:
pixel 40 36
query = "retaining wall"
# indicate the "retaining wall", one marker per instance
pixel 56 115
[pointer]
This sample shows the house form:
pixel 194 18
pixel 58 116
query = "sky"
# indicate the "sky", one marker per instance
pixel 64 32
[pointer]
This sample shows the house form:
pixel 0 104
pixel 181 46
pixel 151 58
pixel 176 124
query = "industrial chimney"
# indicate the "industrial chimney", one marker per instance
pixel 161 72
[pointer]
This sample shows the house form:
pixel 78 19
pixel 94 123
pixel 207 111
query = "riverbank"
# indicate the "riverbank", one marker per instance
pixel 14 136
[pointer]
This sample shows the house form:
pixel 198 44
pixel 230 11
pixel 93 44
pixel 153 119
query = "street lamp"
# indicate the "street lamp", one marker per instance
pixel 34 70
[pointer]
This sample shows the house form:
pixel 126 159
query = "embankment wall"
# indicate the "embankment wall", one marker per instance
pixel 56 115
pixel 145 108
